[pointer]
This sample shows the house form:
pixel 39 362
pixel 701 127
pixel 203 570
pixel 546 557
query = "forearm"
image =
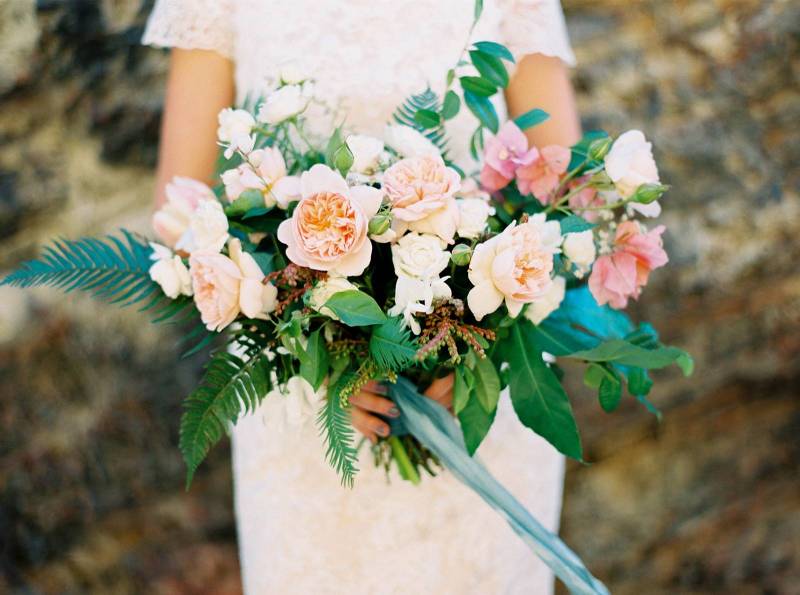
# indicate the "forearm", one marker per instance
pixel 543 82
pixel 199 85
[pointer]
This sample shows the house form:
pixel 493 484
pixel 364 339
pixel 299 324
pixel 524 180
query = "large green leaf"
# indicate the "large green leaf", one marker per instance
pixel 575 224
pixel 622 352
pixel 490 67
pixel 356 308
pixel 478 85
pixel 555 335
pixel 451 105
pixel 315 361
pixel 538 397
pixel 495 49
pixel 487 383
pixel 461 388
pixel 475 423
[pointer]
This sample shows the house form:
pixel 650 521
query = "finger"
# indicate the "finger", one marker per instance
pixel 375 387
pixel 441 390
pixel 374 403
pixel 368 424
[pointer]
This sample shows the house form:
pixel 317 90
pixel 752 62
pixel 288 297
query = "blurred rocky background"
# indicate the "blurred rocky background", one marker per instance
pixel 707 501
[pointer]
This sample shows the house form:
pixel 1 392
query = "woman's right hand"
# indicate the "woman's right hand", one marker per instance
pixel 367 405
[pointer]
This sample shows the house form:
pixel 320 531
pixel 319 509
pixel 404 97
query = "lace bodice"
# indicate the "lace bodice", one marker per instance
pixel 299 531
pixel 366 55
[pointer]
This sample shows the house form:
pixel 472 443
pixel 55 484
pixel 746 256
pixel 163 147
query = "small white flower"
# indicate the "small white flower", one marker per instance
pixel 408 142
pixel 540 309
pixel 292 74
pixel 285 103
pixel 472 216
pixel 580 249
pixel 208 229
pixel 420 256
pixel 367 151
pixel 169 272
pixel 323 291
pixel 234 131
pixel 415 296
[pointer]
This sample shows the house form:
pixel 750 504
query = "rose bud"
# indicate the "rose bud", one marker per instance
pixel 380 224
pixel 461 255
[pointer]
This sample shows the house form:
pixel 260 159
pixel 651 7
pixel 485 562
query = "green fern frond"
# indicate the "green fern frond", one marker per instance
pixel 112 269
pixel 427 100
pixel 391 345
pixel 231 387
pixel 334 423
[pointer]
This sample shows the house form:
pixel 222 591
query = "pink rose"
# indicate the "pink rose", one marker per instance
pixel 514 266
pixel 225 286
pixel 503 154
pixel 328 228
pixel 265 171
pixel 587 197
pixel 421 191
pixel 543 174
pixel 618 276
pixel 172 220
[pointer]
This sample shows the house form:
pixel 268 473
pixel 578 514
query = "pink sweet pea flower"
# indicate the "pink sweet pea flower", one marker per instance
pixel 503 155
pixel 618 276
pixel 542 175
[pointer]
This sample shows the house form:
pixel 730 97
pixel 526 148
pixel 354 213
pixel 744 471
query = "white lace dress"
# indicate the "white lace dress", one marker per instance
pixel 300 532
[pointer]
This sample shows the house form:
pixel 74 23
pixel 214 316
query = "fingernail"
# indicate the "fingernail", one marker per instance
pixel 394 412
pixel 383 431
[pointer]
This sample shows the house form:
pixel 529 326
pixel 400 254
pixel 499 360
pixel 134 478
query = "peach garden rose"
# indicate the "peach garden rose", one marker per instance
pixel 184 196
pixel 514 267
pixel 328 228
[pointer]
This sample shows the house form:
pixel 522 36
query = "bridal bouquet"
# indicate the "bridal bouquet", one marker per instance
pixel 319 264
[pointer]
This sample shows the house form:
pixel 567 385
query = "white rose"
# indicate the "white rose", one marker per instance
pixel 292 74
pixel 323 291
pixel 580 249
pixel 408 142
pixel 169 272
pixel 472 216
pixel 415 296
pixel 235 126
pixel 366 151
pixel 548 303
pixel 420 256
pixel 630 163
pixel 284 103
pixel 256 298
pixel 208 229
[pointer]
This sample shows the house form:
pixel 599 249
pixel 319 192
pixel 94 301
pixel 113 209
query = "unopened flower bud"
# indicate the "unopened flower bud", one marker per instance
pixel 343 159
pixel 599 148
pixel 380 224
pixel 461 255
pixel 647 193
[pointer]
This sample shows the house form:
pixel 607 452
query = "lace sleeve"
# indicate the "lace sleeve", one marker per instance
pixel 192 24
pixel 535 27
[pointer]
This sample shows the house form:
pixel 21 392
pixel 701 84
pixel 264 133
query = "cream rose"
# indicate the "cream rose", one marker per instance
pixel 540 309
pixel 264 171
pixel 630 163
pixel 514 266
pixel 183 195
pixel 323 291
pixel 367 151
pixel 580 249
pixel 208 229
pixel 169 272
pixel 420 256
pixel 408 142
pixel 285 103
pixel 328 228
pixel 472 216
pixel 226 286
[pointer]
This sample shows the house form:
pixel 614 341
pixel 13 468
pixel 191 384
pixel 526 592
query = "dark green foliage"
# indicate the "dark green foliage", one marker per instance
pixel 427 101
pixel 230 387
pixel 391 345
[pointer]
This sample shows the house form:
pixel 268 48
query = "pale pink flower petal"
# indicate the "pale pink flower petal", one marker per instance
pixel 321 179
pixel 368 198
pixel 484 299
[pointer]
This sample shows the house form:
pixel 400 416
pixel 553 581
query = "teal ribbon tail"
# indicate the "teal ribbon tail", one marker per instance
pixel 435 428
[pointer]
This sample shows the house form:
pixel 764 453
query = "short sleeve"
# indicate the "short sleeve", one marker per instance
pixel 535 27
pixel 192 24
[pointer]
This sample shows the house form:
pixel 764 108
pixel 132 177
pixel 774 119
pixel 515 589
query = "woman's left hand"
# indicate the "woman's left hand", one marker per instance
pixel 441 391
